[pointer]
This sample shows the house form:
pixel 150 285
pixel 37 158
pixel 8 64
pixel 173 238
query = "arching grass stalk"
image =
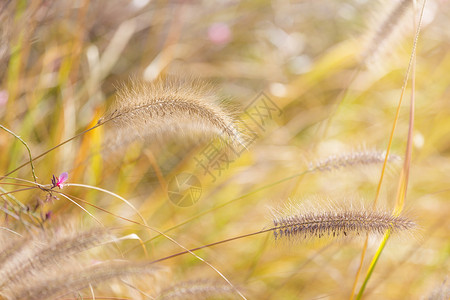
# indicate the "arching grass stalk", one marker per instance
pixel 51 149
pixel 26 146
pixel 373 264
pixel 112 194
pixel 151 109
pixel 403 180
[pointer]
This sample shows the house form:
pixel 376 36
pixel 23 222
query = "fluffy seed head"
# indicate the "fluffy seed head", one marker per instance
pixel 386 31
pixel 30 255
pixel 75 279
pixel 44 265
pixel 339 222
pixel 176 106
pixel 353 158
pixel 198 289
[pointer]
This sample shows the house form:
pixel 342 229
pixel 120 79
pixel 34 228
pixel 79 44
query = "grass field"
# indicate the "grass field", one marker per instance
pixel 224 150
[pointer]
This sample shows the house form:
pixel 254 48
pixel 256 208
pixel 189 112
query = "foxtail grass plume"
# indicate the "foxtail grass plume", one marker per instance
pixel 350 159
pixel 441 292
pixel 44 265
pixel 339 222
pixel 198 289
pixel 75 279
pixel 31 255
pixel 385 32
pixel 170 106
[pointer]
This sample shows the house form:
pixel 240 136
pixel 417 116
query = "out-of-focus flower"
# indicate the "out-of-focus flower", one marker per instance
pixel 219 33
pixel 3 97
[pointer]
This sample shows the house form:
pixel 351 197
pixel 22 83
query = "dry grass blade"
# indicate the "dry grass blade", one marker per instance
pixel 403 179
pixel 169 106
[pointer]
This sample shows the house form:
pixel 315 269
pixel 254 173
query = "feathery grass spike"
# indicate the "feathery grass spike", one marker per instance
pixel 35 254
pixel 354 158
pixel 170 105
pixel 385 32
pixel 198 289
pixel 339 222
pixel 76 279
pixel 44 265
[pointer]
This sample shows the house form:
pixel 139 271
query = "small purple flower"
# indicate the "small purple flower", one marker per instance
pixel 48 215
pixel 59 181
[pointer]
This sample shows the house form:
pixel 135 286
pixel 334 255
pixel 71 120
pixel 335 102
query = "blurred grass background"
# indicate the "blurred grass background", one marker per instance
pixel 61 60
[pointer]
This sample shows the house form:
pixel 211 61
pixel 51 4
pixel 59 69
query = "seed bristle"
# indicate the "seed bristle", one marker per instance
pixel 339 223
pixel 172 105
pixel 198 289
pixel 350 159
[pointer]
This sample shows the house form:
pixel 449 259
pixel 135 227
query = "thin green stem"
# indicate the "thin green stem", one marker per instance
pixel 26 146
pixel 403 181
pixel 99 123
pixel 373 264
pixel 214 244
pixel 234 200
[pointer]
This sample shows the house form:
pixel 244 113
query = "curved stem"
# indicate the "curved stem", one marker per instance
pixel 372 265
pixel 214 244
pixel 19 190
pixel 112 194
pixel 166 236
pixel 49 150
pixel 26 146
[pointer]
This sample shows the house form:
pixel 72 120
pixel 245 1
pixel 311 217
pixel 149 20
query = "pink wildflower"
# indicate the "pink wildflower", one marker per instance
pixel 219 33
pixel 59 181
